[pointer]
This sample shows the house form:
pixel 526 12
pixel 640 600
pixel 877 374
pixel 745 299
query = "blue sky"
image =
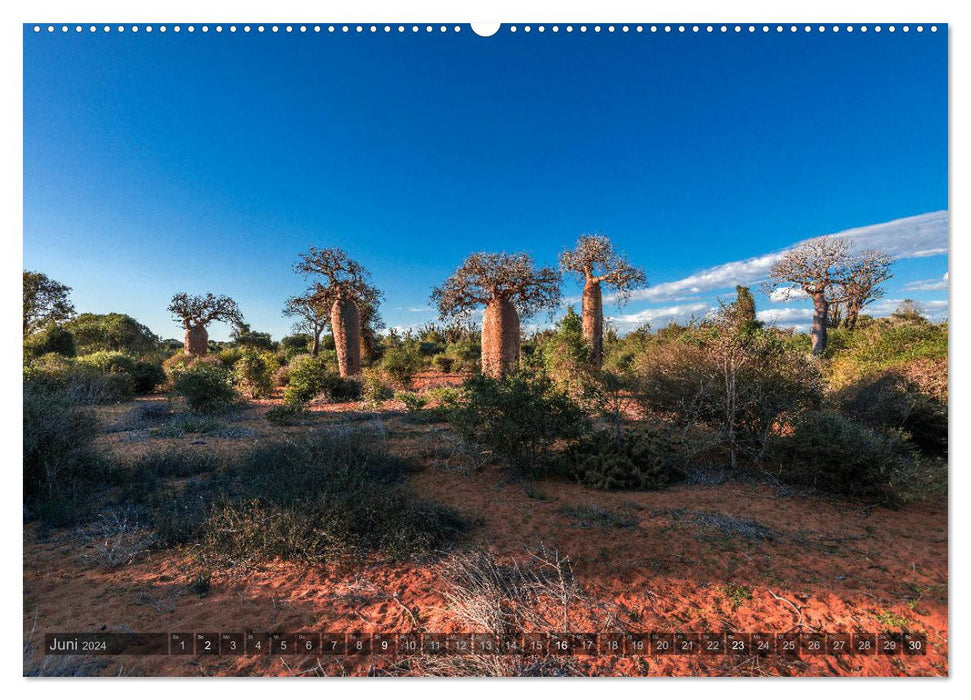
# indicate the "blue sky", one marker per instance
pixel 158 163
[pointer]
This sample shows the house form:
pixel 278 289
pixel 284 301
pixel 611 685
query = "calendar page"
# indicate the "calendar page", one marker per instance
pixel 400 349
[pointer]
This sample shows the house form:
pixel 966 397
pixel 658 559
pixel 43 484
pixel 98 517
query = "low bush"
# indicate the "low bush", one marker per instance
pixel 413 402
pixel 890 400
pixel 253 374
pixel 146 376
pixel 830 452
pixel 286 414
pixel 374 389
pixel 83 383
pixel 58 436
pixel 645 459
pixel 443 363
pixel 518 418
pixel 206 387
pixel 401 363
pixel 308 377
pixel 322 498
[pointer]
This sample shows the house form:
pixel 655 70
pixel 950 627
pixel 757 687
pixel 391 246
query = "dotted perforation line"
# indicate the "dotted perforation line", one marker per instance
pixel 512 29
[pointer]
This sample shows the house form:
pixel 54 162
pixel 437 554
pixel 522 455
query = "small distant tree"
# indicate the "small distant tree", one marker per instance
pixel 908 311
pixel 817 267
pixel 509 287
pixel 311 318
pixel 867 272
pixel 197 312
pixel 597 264
pixel 45 301
pixel 344 289
pixel 740 314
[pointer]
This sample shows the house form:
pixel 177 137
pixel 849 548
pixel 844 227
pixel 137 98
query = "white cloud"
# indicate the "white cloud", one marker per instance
pixel 786 293
pixel 912 237
pixel 660 316
pixel 785 316
pixel 926 285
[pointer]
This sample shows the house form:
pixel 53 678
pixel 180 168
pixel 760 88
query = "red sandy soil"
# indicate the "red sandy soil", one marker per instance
pixel 827 566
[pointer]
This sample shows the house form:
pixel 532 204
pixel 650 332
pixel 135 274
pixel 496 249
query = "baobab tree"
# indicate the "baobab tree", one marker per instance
pixel 597 265
pixel 345 288
pixel 197 312
pixel 509 287
pixel 311 318
pixel 818 267
pixel 861 287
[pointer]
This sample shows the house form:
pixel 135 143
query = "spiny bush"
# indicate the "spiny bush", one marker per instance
pixel 147 376
pixel 286 414
pixel 57 442
pixel 443 363
pixel 737 386
pixel 308 378
pixel 413 402
pixel 889 399
pixel 83 383
pixel 207 388
pixel 644 459
pixel 374 389
pixel 253 374
pixel 324 497
pixel 518 418
pixel 401 363
pixel 830 452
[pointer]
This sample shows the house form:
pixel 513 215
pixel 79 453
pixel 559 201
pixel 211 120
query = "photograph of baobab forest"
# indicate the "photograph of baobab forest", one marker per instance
pixel 549 353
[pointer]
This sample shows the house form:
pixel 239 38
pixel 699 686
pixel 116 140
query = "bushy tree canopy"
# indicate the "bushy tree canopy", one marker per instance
pixel 485 277
pixel 195 311
pixel 45 301
pixel 595 261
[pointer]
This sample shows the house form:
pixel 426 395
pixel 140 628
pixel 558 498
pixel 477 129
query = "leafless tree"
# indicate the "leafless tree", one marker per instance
pixel 867 271
pixel 597 264
pixel 509 286
pixel 310 318
pixel 197 312
pixel 816 267
pixel 345 286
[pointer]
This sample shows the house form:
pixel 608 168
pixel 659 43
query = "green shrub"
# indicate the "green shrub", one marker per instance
pixel 253 374
pixel 833 453
pixel 735 386
pixel 645 459
pixel 230 356
pixel 374 389
pixel 286 414
pixel 517 418
pixel 58 436
pixel 108 361
pixel 53 339
pixel 321 498
pixel 443 363
pixel 147 376
pixel 466 353
pixel 401 363
pixel 308 377
pixel 206 387
pixel 82 383
pixel 889 400
pixel 413 402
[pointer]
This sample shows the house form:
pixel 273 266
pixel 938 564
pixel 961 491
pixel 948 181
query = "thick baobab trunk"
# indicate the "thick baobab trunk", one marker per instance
pixel 593 322
pixel 197 341
pixel 820 315
pixel 345 320
pixel 500 338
